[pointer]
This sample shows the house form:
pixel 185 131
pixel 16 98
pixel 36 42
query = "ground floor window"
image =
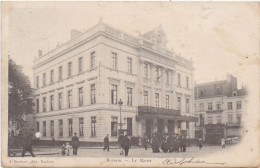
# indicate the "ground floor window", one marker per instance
pixel 93 126
pixel 114 126
pixel 52 128
pixel 38 126
pixel 70 127
pixel 129 127
pixel 61 128
pixel 81 126
pixel 44 128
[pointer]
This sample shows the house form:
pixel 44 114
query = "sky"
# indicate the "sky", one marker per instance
pixel 220 37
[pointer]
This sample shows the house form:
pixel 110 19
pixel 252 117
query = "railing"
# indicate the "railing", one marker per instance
pixel 155 110
pixel 233 124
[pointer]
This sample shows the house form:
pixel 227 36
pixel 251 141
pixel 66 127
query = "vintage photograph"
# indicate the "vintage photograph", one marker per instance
pixel 130 83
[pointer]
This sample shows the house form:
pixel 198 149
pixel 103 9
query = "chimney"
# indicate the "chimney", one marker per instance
pixel 39 53
pixel 74 33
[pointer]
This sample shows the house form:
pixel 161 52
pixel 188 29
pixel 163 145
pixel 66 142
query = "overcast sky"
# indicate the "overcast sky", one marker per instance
pixel 219 37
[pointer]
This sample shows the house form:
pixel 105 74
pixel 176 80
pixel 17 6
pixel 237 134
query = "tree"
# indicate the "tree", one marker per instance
pixel 19 93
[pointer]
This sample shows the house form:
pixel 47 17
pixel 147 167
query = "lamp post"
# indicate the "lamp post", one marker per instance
pixel 120 105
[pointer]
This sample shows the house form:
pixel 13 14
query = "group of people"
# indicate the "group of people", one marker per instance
pixel 66 149
pixel 123 141
pixel 167 142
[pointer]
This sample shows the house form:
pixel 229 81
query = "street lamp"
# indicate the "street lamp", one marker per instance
pixel 120 105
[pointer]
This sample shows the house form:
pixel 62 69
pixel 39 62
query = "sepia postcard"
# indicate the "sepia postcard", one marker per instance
pixel 130 84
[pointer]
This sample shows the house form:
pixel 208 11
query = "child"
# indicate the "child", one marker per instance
pixel 67 148
pixel 63 150
pixel 223 144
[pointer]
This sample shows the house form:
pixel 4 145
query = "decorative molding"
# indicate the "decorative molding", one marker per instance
pixel 70 85
pixel 114 79
pixel 60 88
pixel 179 93
pixel 92 78
pixel 52 90
pixel 44 93
pixel 80 82
pixel 129 83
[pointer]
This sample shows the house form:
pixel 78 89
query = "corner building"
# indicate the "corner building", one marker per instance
pixel 78 86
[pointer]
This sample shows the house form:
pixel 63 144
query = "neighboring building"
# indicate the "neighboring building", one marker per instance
pixel 79 84
pixel 219 106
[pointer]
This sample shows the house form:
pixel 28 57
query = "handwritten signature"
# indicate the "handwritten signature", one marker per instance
pixel 181 161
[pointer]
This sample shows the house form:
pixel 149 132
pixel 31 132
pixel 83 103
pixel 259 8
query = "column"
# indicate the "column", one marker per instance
pixel 163 81
pixel 139 85
pixel 152 93
pixel 166 126
pixel 155 125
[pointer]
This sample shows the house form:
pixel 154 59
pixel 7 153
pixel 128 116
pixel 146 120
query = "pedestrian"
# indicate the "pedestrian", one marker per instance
pixel 184 145
pixel 181 144
pixel 145 142
pixel 27 143
pixel 176 144
pixel 63 150
pixel 223 143
pixel 126 144
pixel 68 148
pixel 170 143
pixel 75 143
pixel 106 143
pixel 155 143
pixel 200 143
pixel 120 142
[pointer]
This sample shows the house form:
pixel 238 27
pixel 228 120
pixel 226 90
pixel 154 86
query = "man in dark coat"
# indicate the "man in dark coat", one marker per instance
pixel 155 143
pixel 145 142
pixel 184 143
pixel 126 144
pixel 75 143
pixel 27 143
pixel 120 142
pixel 106 143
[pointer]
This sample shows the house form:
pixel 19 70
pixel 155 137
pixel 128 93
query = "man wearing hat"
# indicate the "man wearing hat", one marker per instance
pixel 126 144
pixel 75 143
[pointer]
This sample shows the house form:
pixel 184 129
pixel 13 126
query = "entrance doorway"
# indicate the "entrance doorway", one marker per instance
pixel 149 127
pixel 170 126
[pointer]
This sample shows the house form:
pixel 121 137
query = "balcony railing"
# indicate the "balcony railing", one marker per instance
pixel 233 124
pixel 155 110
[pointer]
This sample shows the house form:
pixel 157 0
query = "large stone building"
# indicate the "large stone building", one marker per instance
pixel 219 106
pixel 79 85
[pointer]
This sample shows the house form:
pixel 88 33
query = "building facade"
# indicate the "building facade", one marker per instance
pixel 79 84
pixel 219 107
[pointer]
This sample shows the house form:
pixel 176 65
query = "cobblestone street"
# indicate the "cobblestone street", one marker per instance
pixel 134 152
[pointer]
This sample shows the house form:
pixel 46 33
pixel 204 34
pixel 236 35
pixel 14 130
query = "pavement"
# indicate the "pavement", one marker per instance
pixel 114 152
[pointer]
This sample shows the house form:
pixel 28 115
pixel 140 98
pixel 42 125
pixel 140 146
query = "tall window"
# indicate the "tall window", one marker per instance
pixel 219 119
pixel 60 101
pixel 81 96
pixel 167 100
pixel 37 81
pixel 238 105
pixel 93 126
pixel 44 104
pixel 210 106
pixel 81 126
pixel 218 105
pixel 210 119
pixel 230 118
pixel 44 79
pixel 93 94
pixel 80 64
pixel 51 76
pixel 129 96
pixel 69 98
pixel 145 70
pixel 70 127
pixel 69 69
pixel 114 61
pixel 129 65
pixel 201 106
pixel 146 98
pixel 167 77
pixel 179 79
pixel 229 105
pixel 113 94
pixel 201 120
pixel 129 126
pixel 157 73
pixel 60 73
pixel 114 126
pixel 157 100
pixel 61 128
pixel 238 118
pixel 179 103
pixel 187 82
pixel 37 106
pixel 37 126
pixel 187 105
pixel 52 128
pixel 51 103
pixel 44 128
pixel 92 59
